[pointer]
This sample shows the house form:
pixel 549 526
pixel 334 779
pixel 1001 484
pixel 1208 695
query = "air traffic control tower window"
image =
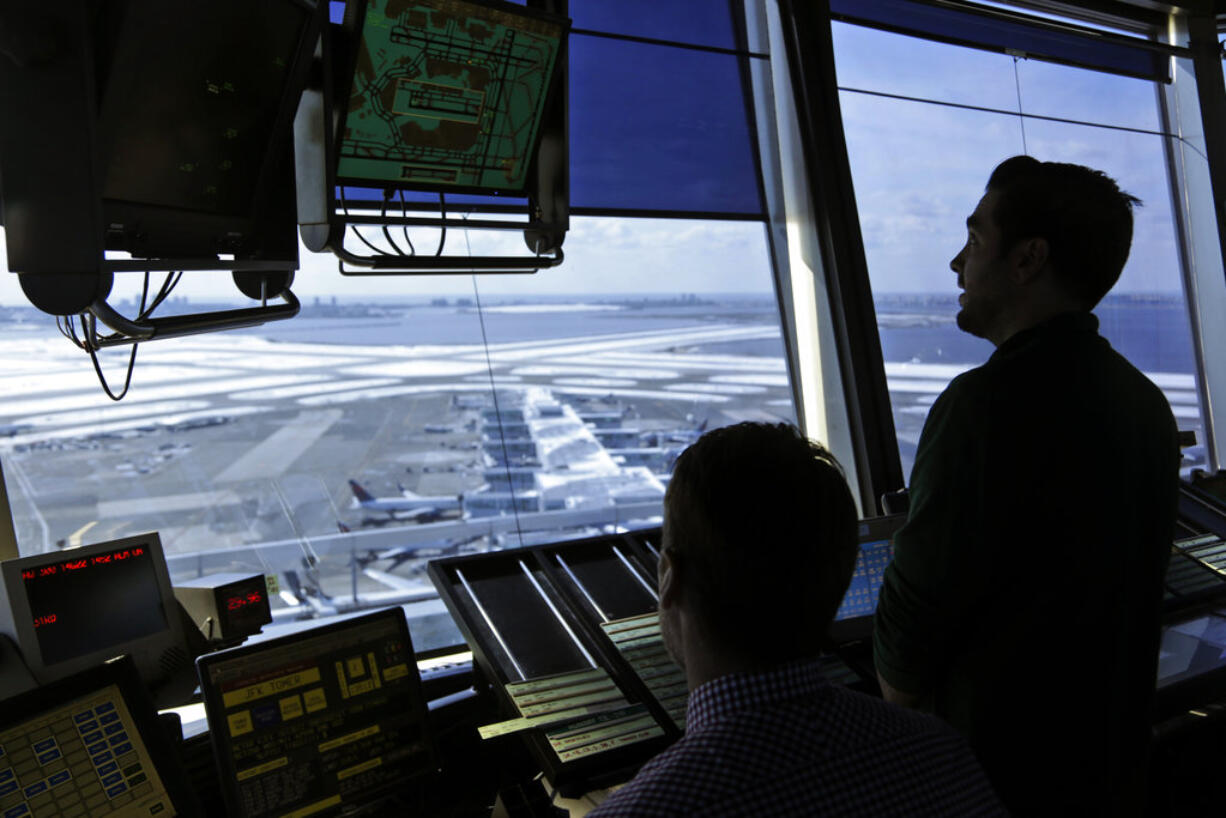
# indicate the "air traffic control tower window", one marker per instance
pixel 925 123
pixel 399 419
pixel 342 449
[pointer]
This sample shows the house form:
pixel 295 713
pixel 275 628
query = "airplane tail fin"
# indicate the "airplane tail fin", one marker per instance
pixel 362 494
pixel 702 427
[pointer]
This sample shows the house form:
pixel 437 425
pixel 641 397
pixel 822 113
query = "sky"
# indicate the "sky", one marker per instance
pixel 918 170
pixel 602 256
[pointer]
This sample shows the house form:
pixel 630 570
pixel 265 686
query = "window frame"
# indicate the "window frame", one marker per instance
pixel 821 217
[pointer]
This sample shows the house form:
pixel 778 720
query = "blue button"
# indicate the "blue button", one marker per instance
pixel 96 748
pixel 44 746
pixel 104 708
pixel 116 790
pixel 35 789
pixel 101 757
pixel 81 718
pixel 86 727
pixel 112 779
pixel 47 758
pixel 112 729
pixel 15 812
pixel 6 774
pixel 123 748
pixel 92 737
pixel 265 715
pixel 5 789
pixel 119 738
pixel 108 718
pixel 107 769
pixel 59 778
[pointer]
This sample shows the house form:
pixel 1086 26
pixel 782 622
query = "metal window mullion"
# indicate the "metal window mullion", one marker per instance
pixel 810 56
pixel 1193 108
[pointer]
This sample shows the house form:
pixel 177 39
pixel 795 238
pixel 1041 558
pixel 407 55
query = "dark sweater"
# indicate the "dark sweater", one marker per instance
pixel 1026 585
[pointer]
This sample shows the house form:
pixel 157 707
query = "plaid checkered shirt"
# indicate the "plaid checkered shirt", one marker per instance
pixel 788 743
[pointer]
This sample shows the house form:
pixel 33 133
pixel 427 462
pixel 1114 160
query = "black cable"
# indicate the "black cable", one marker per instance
pixel 168 286
pixel 489 368
pixel 93 356
pixel 144 291
pixel 60 326
pixel 442 213
pixel 356 231
pixel 387 234
pixel 72 331
pixel 362 238
pixel 1021 113
pixel 89 325
pixel 404 228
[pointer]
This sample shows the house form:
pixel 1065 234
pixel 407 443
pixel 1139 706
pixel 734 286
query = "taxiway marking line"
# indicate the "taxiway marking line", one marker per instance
pixel 74 539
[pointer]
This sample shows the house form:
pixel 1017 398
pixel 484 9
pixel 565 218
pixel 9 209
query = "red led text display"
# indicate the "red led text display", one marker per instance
pixel 84 603
pixel 81 565
pixel 240 601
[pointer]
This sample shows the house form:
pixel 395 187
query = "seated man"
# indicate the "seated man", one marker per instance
pixel 759 547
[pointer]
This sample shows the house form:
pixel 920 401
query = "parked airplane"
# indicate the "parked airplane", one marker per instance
pixel 409 506
pixel 683 436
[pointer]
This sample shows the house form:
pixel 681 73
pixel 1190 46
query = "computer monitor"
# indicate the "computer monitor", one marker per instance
pixel 194 120
pixel 89 745
pixel 69 610
pixel 854 619
pixel 447 95
pixel 317 722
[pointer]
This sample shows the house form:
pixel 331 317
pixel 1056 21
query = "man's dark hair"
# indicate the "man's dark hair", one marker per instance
pixel 1082 213
pixel 763 527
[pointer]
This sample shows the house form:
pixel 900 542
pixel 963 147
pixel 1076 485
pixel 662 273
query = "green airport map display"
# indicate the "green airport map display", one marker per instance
pixel 447 94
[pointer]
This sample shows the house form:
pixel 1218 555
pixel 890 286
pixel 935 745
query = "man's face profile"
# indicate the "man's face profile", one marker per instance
pixel 982 268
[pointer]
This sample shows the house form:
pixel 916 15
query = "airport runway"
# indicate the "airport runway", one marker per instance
pixel 233 439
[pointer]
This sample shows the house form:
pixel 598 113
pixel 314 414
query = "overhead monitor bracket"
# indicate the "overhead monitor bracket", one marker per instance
pixel 254 283
pixel 412 118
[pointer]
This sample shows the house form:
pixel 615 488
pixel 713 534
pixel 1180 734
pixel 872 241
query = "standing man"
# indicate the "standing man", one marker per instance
pixel 759 547
pixel 1023 601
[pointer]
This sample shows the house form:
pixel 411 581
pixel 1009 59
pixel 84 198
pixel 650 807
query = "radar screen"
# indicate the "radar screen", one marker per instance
pixel 319 722
pixel 192 100
pixel 448 94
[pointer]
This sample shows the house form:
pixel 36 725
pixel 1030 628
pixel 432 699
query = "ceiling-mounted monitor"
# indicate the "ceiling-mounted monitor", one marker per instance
pixel 447 95
pixel 194 119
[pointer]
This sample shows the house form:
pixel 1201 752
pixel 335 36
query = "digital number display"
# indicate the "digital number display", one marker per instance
pixel 82 604
pixel 241 601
